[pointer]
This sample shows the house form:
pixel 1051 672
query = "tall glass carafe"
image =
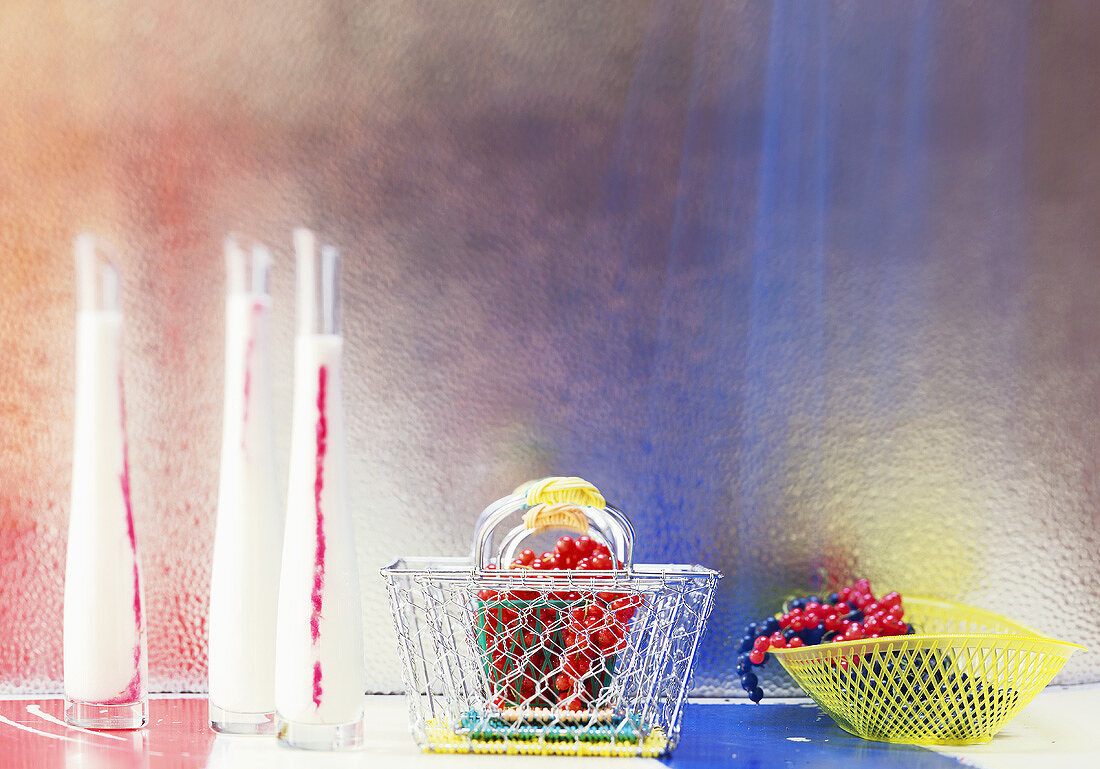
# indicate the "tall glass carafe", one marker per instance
pixel 249 531
pixel 320 681
pixel 105 654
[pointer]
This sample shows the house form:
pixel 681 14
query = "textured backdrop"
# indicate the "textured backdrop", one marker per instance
pixel 810 290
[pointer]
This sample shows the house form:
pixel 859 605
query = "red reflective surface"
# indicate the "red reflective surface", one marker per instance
pixel 33 734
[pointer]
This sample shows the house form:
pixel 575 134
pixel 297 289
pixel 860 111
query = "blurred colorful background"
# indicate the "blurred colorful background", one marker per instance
pixel 811 290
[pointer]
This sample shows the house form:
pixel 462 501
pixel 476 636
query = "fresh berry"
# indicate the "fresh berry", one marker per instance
pixel 848 614
pixel 565 547
pixel 602 562
pixel 854 632
pixel 584 546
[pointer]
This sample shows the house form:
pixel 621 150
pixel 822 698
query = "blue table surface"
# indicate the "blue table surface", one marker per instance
pixel 785 735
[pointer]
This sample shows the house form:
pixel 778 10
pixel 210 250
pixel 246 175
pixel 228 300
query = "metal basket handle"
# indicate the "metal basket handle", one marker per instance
pixel 567 503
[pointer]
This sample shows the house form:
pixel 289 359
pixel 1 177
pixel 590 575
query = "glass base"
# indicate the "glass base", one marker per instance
pixel 295 734
pixel 237 722
pixel 95 715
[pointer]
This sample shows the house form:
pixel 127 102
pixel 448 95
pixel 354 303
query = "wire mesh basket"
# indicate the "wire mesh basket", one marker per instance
pixel 512 660
pixel 959 680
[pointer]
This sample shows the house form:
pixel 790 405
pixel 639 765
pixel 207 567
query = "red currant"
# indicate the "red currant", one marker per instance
pixel 843 609
pixel 562 682
pixel 761 643
pixel 573 704
pixel 853 632
pixel 577 664
pixel 891 599
pixel 565 546
pixel 894 627
pixel 794 643
pixel 777 641
pixel 594 614
pixel 526 556
pixel 610 636
pixel 601 562
pixel 756 657
pixel 584 546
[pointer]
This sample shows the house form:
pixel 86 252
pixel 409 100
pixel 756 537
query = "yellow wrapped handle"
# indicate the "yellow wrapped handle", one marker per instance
pixel 560 516
pixel 560 489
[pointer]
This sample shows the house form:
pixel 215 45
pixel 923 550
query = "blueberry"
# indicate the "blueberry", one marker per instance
pixel 752 629
pixel 833 598
pixel 756 694
pixel 771 625
pixel 743 666
pixel 789 634
pixel 798 603
pixel 746 644
pixel 749 681
pixel 813 599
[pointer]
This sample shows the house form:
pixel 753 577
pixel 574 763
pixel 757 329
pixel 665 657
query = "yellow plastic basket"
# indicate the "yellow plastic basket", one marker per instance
pixel 958 681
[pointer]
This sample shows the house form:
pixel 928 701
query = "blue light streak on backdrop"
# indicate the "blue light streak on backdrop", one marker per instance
pixel 803 235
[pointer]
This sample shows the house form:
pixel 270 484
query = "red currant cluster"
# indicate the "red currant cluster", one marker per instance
pixel 554 649
pixel 583 553
pixel 850 614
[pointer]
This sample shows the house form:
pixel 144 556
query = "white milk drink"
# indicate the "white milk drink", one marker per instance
pixel 105 655
pixel 319 674
pixel 248 536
